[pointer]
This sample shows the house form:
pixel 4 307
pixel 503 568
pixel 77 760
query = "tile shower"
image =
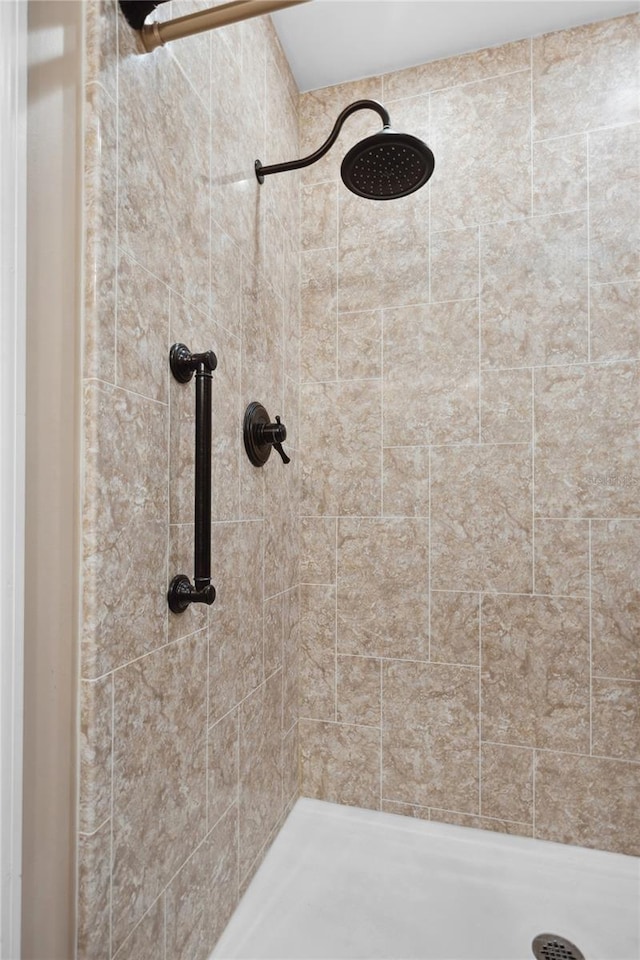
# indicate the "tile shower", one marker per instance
pixel 448 567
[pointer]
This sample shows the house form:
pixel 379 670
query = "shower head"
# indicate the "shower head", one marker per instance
pixel 385 166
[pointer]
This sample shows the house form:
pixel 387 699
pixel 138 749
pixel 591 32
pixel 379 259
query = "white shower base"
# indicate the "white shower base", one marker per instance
pixel 340 882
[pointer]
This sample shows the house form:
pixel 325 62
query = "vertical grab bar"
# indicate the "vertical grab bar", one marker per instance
pixel 182 592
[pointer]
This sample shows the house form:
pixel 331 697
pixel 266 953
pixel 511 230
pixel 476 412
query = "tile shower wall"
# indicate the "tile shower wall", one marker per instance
pixel 189 757
pixel 470 400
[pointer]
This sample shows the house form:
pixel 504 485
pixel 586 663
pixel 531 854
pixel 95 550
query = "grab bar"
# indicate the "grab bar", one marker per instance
pixel 183 365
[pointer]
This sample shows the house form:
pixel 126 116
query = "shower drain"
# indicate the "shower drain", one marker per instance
pixel 547 946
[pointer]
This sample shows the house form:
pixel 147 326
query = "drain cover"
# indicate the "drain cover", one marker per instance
pixel 547 946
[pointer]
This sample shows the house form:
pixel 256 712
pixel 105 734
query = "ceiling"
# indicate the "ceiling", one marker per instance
pixel 331 41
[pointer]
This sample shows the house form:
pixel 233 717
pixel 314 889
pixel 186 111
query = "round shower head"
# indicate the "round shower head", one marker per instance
pixel 387 165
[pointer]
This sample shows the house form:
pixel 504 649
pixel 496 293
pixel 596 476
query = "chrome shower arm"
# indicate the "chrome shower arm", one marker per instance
pixel 262 172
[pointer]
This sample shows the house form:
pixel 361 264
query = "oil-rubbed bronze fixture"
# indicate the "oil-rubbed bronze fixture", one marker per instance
pixel 155 35
pixel 181 591
pixel 260 435
pixel 386 166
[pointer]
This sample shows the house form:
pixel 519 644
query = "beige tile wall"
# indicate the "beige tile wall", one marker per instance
pixel 469 408
pixel 188 723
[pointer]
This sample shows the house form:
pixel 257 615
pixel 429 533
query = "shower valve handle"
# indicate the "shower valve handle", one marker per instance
pixel 260 435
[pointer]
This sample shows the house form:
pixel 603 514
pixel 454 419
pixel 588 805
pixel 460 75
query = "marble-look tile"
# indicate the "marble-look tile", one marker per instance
pixel 427 768
pixel 201 898
pixel 143 332
pixel 340 763
pixel 163 173
pixel 227 281
pixel 455 259
pixel 410 114
pixel 319 111
pixel 586 440
pixel 360 345
pixel 507 782
pixel 100 213
pixel 95 753
pixel 262 343
pixel 431 374
pixel 273 633
pixel 455 627
pixel 236 618
pixel 586 77
pixel 124 527
pixel 292 311
pixel 616 719
pixel 453 71
pixel 481 525
pixel 383 587
pixel 561 557
pixel 101 45
pixel 405 481
pixel 535 291
pixel 405 809
pixel 535 672
pixel 222 764
pixel 319 322
pixel 260 768
pixel 489 121
pixel 436 697
pixel 194 58
pixel 290 764
pixel 614 202
pixel 94 894
pixel 160 762
pixel 291 660
pixel 588 801
pixel 318 549
pixel 319 220
pixel 359 691
pixel 481 823
pixel 615 598
pixel 181 561
pixel 383 252
pixel 615 331
pixel 560 175
pixel 506 406
pixel 317 652
pixel 147 941
pixel 343 419
pixel 281 520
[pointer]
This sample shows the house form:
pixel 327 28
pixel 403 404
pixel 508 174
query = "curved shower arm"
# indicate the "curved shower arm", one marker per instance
pixel 262 172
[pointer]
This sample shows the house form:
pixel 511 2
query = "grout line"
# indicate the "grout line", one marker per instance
pixel 590 650
pixel 531 124
pixel 479 333
pixel 534 771
pixel 115 386
pixel 533 483
pixel 381 769
pixel 480 595
pixel 87 834
pixel 112 813
pixel 588 254
pixel 429 521
pixel 335 625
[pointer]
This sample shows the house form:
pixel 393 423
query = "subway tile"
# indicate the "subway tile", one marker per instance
pixel 481 526
pixel 586 77
pixel 317 652
pixel 343 419
pixel 382 587
pixel 358 691
pixel 405 481
pixel 159 774
pixel 488 120
pixel 561 557
pixel 340 763
pixel 586 443
pixel 202 897
pixel 560 175
pixel 507 782
pixel 507 399
pixel 431 374
pixel 535 672
pixel 455 627
pixel 615 598
pixel 535 291
pixel 588 801
pixel 616 718
pixel 319 319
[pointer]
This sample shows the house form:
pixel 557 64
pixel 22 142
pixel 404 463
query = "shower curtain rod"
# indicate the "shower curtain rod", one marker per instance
pixel 156 34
